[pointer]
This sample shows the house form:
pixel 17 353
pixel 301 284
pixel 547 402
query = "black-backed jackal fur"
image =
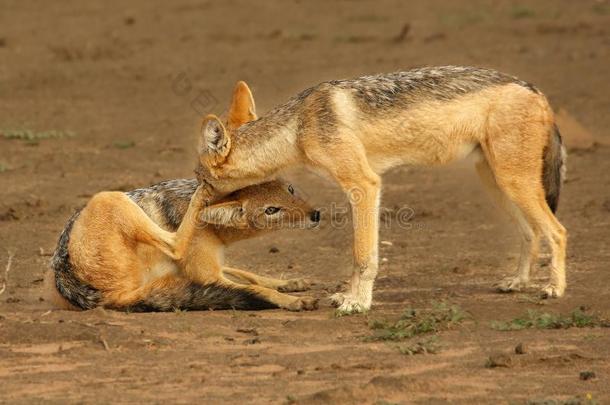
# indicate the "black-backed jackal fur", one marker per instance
pixel 354 130
pixel 161 249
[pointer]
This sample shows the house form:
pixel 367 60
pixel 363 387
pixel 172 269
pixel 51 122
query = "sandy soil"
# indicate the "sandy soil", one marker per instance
pixel 108 72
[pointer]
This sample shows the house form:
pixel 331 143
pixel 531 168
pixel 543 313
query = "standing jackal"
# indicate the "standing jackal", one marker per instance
pixel 354 130
pixel 114 253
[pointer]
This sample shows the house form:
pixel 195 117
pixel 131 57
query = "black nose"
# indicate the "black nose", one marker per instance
pixel 315 216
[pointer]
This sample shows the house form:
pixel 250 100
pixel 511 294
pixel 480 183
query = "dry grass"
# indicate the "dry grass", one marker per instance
pixel 7 269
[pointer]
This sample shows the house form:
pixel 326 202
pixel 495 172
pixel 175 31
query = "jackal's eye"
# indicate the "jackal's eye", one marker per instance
pixel 272 210
pixel 291 189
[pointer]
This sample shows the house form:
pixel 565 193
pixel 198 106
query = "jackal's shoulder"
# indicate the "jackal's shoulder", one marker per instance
pixel 177 188
pixel 165 202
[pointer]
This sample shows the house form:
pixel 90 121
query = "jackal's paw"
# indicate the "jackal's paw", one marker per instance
pixel 552 291
pixel 347 304
pixel 303 304
pixel 294 284
pixel 338 298
pixel 511 284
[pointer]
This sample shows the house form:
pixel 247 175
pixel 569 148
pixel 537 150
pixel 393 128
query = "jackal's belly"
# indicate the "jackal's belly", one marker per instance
pixel 154 264
pixel 422 139
pixel 162 268
pixel 428 133
pixel 426 151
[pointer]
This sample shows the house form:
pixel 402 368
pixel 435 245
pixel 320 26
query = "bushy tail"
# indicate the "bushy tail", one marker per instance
pixel 554 169
pixel 76 292
pixel 182 294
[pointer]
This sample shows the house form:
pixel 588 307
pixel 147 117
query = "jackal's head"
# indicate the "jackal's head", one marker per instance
pixel 272 205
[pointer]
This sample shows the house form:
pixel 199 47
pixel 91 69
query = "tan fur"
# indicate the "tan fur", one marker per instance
pixel 117 249
pixel 242 107
pixel 276 284
pixel 329 130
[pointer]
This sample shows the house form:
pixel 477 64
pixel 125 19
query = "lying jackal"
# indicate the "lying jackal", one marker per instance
pixel 354 130
pixel 113 253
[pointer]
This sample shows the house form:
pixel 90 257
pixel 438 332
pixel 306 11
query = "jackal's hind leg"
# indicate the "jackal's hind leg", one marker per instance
pixel 530 236
pixel 285 301
pixel 521 182
pixel 294 284
pixel 131 220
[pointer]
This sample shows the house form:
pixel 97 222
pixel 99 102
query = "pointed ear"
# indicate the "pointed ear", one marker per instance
pixel 214 139
pixel 228 214
pixel 242 108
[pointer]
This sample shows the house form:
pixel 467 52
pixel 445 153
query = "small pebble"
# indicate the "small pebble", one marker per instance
pixel 273 249
pixel 520 349
pixel 587 375
pixel 249 331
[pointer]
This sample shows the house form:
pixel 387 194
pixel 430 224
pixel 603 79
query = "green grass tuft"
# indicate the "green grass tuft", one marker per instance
pixel 123 144
pixel 339 313
pixel 579 318
pixel 32 136
pixel 417 322
pixel 520 12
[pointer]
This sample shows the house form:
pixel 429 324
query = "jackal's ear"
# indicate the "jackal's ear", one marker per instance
pixel 227 213
pixel 242 108
pixel 214 138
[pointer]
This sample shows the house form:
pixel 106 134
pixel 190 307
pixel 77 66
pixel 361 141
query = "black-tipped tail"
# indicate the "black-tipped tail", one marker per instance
pixel 182 294
pixel 554 169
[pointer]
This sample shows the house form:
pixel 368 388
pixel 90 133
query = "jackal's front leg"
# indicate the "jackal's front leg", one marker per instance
pixel 346 161
pixel 365 213
pixel 190 222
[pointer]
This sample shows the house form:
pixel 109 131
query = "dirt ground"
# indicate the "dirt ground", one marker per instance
pixel 123 86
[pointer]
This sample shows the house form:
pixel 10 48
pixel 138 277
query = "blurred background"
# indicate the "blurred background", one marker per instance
pixel 116 73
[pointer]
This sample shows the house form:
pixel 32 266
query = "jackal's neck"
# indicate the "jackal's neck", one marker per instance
pixel 262 148
pixel 229 235
pixel 274 127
